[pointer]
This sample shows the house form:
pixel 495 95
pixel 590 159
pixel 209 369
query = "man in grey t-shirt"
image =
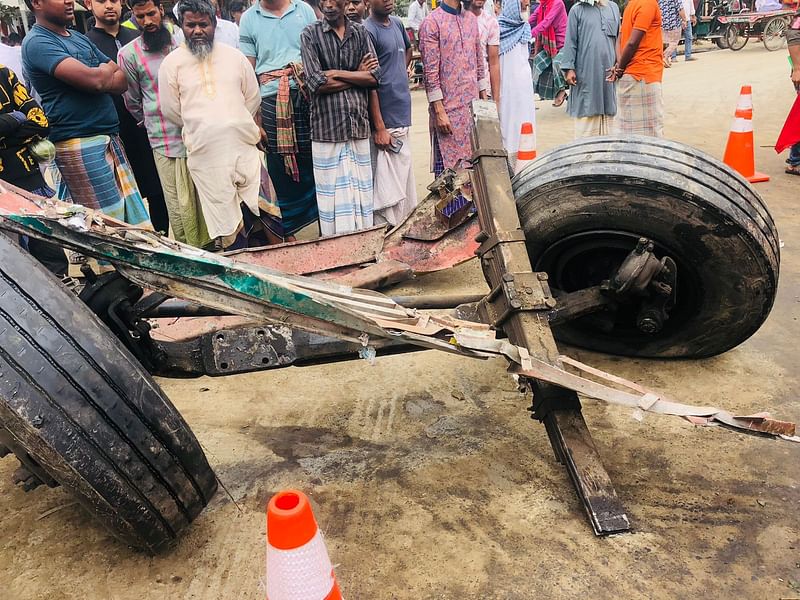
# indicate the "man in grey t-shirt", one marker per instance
pixel 395 193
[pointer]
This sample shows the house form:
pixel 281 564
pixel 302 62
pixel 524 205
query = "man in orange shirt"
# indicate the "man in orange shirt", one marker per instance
pixel 639 71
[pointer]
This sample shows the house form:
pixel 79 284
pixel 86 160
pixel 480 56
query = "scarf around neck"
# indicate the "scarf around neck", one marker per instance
pixel 513 28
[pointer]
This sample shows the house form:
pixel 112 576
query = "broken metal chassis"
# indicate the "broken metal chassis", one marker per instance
pixel 248 347
pixel 520 304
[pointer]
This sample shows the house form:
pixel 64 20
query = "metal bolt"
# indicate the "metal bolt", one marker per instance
pixel 648 325
pixel 37 421
pixel 551 302
pixel 541 276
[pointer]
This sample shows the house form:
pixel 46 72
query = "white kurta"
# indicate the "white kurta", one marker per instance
pixel 516 98
pixel 215 101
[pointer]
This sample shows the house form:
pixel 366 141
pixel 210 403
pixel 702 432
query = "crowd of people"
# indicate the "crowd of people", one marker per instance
pixel 241 132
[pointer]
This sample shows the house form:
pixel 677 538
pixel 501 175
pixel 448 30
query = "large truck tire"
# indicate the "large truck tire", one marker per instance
pixel 584 205
pixel 79 410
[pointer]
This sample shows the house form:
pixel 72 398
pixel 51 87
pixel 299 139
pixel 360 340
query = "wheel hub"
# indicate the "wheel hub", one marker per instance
pixel 638 280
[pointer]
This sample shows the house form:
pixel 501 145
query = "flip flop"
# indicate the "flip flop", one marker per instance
pixel 792 170
pixel 558 103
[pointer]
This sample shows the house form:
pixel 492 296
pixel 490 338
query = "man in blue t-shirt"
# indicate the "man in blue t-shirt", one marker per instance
pixel 74 80
pixel 395 194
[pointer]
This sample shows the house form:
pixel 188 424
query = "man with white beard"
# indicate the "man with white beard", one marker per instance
pixel 211 91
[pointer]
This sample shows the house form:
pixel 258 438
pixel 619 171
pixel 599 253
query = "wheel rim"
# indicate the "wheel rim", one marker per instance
pixel 773 34
pixel 735 38
pixel 586 259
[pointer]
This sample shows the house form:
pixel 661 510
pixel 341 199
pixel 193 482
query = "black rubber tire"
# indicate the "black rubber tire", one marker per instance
pixel 695 209
pixel 87 412
pixel 721 42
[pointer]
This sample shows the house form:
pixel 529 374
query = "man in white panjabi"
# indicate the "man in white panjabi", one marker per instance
pixel 210 90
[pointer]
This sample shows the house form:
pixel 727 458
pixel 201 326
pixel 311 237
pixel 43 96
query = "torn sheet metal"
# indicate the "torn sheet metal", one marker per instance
pixel 422 243
pixel 446 248
pixel 321 254
pixel 326 308
pixel 163 265
pixel 647 400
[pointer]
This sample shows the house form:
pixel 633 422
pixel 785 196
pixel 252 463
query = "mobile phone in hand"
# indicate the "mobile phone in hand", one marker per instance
pixel 396 145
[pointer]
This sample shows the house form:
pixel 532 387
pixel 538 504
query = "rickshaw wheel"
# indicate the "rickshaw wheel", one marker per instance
pixel 721 42
pixel 773 35
pixel 735 37
pixel 584 206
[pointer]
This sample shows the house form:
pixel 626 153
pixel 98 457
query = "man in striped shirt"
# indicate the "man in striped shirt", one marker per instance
pixel 341 67
pixel 140 60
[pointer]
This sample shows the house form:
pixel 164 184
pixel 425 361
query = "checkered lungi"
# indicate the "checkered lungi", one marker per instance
pixel 547 75
pixel 640 107
pixel 95 173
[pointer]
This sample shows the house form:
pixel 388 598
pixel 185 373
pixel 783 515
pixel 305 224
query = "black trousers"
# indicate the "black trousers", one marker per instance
pixel 140 156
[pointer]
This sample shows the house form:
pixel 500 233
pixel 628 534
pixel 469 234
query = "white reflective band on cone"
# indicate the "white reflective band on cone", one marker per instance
pixel 741 125
pixel 526 145
pixel 745 102
pixel 304 573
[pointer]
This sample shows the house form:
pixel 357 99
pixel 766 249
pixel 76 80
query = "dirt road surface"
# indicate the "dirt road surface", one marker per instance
pixel 430 480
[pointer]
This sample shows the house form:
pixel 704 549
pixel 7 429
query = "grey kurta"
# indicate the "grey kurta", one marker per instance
pixel 590 49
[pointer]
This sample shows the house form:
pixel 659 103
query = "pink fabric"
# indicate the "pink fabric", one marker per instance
pixel 555 16
pixel 452 58
pixel 489 30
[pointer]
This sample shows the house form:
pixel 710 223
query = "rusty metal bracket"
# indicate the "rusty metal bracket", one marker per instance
pixel 495 152
pixel 501 237
pixel 517 292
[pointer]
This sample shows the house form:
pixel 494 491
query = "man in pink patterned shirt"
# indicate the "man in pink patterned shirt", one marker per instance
pixel 489 31
pixel 452 58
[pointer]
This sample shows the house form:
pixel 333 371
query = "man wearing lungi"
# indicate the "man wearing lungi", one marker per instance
pixel 141 60
pixel 640 106
pixel 75 80
pixel 269 36
pixel 452 58
pixel 110 36
pixel 341 66
pixel 395 191
pixel 590 50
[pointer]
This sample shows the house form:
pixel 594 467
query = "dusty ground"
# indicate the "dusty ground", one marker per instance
pixel 430 480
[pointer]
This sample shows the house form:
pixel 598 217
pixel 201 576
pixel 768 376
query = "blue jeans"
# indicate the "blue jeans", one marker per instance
pixel 687 41
pixel 794 156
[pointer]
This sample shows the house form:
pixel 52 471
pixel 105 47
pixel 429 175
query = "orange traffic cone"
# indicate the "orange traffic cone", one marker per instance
pixel 740 151
pixel 527 147
pixel 298 565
